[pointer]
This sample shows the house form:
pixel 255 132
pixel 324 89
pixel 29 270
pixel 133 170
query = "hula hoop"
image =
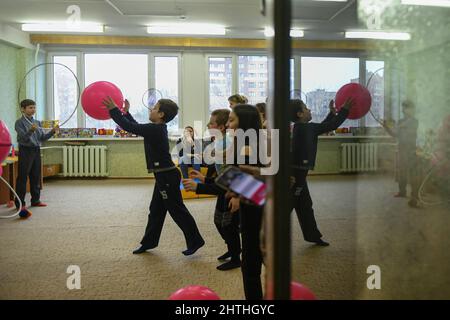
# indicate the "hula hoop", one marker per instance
pixel 151 94
pixel 420 192
pixel 17 197
pixel 367 86
pixel 51 63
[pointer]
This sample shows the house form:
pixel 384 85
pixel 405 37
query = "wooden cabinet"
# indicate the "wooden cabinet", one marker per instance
pixel 50 170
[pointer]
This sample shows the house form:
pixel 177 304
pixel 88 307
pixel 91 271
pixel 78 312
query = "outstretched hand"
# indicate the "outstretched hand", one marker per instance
pixel 234 204
pixel 126 106
pixel 189 184
pixel 109 103
pixel 55 129
pixel 349 103
pixel 332 107
pixel 194 174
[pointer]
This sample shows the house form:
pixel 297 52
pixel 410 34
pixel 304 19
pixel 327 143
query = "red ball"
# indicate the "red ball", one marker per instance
pixel 93 96
pixel 361 99
pixel 194 293
pixel 301 292
pixel 5 141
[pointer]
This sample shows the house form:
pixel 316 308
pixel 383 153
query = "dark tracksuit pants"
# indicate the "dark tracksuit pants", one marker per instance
pixel 227 224
pixel 407 172
pixel 251 222
pixel 167 197
pixel 29 166
pixel 303 206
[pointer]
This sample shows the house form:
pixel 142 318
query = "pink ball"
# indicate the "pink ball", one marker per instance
pixel 361 99
pixel 301 292
pixel 93 96
pixel 194 293
pixel 5 141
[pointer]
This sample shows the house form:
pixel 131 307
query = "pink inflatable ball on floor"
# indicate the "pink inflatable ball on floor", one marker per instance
pixel 360 96
pixel 93 96
pixel 301 292
pixel 194 293
pixel 5 141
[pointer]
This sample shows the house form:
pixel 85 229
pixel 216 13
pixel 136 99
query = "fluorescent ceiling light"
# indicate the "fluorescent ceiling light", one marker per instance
pixel 62 27
pixel 434 3
pixel 187 29
pixel 269 32
pixel 380 35
pixel 294 33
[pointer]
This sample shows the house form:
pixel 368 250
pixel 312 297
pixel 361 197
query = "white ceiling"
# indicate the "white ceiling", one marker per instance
pixel 129 17
pixel 242 18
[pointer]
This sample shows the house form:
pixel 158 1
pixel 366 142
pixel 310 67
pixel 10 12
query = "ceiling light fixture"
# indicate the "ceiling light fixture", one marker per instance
pixel 379 35
pixel 63 27
pixel 433 3
pixel 294 33
pixel 187 29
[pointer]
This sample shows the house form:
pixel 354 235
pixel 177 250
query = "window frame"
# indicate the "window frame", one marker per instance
pixel 234 76
pixel 80 54
pixel 235 70
pixel 50 107
pixel 297 55
pixel 152 78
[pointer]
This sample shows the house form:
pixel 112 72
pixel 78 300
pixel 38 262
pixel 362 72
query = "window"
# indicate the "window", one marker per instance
pixel 292 76
pixel 127 71
pixel 65 90
pixel 375 84
pixel 166 81
pixel 322 77
pixel 219 92
pixel 250 80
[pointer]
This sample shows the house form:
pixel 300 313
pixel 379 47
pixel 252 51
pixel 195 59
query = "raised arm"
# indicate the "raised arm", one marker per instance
pixel 136 128
pixel 129 126
pixel 336 121
pixel 332 113
pixel 127 113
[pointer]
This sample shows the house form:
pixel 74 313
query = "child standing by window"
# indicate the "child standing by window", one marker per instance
pixel 30 135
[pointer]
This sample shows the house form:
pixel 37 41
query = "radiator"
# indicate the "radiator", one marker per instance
pixel 84 161
pixel 359 157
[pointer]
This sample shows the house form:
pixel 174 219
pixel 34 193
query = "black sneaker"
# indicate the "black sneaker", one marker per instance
pixel 142 249
pixel 194 249
pixel 225 256
pixel 321 243
pixel 233 264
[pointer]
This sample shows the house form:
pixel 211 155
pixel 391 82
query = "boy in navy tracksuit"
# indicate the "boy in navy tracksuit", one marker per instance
pixel 167 194
pixel 226 222
pixel 304 150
